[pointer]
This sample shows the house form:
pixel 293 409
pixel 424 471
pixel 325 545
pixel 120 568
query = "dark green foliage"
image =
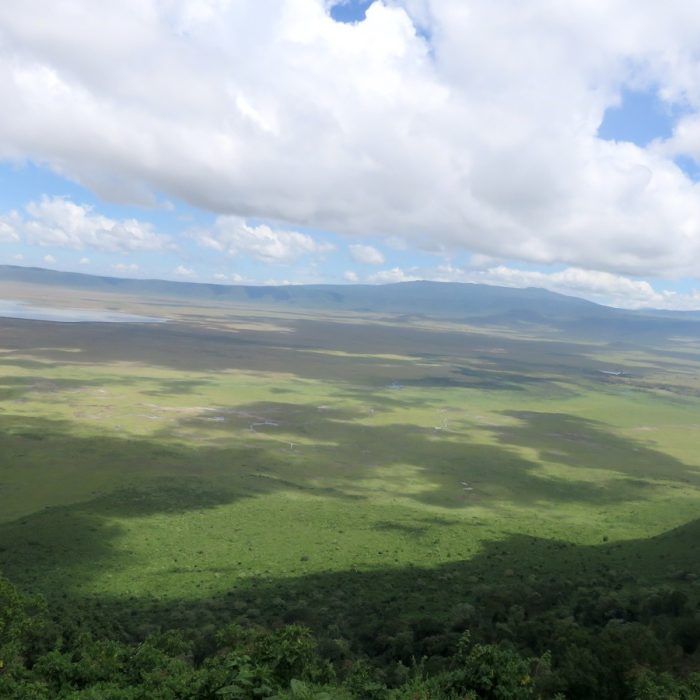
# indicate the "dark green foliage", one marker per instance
pixel 581 643
pixel 469 538
pixel 23 628
pixel 647 685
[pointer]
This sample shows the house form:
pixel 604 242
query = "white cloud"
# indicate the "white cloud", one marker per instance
pixel 395 274
pixel 477 260
pixel 350 276
pixel 182 271
pixel 19 257
pixel 58 222
pixel 366 254
pixel 689 301
pixel 8 233
pixel 84 261
pixel 232 278
pixel 232 235
pixel 276 283
pixel 49 259
pixel 396 242
pixel 485 140
pixel 126 267
pixel 601 287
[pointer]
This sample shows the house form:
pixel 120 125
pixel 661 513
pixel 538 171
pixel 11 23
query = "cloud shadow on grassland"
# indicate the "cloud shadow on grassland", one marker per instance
pixel 364 360
pixel 447 468
pixel 583 443
pixel 393 614
pixel 341 459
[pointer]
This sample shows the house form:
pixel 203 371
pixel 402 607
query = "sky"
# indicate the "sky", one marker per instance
pixel 519 142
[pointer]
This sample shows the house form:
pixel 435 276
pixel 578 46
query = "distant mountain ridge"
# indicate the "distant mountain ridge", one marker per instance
pixel 441 298
pixel 475 303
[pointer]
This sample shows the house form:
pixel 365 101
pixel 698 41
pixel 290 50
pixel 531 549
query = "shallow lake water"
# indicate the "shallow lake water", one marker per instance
pixel 17 309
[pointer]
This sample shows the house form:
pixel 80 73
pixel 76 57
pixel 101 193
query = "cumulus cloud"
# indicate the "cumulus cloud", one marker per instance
pixel 232 277
pixel 58 222
pixel 84 261
pixel 8 234
pixel 395 274
pixel 126 267
pixel 276 283
pixel 366 254
pixel 350 276
pixel 49 259
pixel 233 235
pixel 482 138
pixel 183 271
pixel 601 287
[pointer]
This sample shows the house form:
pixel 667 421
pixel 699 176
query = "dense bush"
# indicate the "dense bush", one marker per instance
pixel 509 644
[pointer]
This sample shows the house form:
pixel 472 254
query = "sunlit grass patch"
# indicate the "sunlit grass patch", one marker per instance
pixel 185 465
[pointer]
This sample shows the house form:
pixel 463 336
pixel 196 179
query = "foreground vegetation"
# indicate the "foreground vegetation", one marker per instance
pixel 258 503
pixel 515 640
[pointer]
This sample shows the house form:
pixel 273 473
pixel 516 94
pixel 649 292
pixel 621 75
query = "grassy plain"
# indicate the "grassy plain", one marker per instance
pixel 237 452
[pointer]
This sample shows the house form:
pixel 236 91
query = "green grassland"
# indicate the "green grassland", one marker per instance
pixel 184 459
pixel 247 463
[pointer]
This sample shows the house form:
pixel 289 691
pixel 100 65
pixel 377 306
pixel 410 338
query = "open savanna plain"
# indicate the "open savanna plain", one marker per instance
pixel 373 477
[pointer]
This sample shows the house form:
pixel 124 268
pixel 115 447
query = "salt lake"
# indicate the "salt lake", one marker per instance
pixel 17 309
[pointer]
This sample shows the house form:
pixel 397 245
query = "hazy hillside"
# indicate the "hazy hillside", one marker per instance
pixel 475 303
pixel 429 298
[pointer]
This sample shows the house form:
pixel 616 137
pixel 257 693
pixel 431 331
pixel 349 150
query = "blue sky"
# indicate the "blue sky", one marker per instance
pixel 383 141
pixel 21 184
pixel 641 117
pixel 353 11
